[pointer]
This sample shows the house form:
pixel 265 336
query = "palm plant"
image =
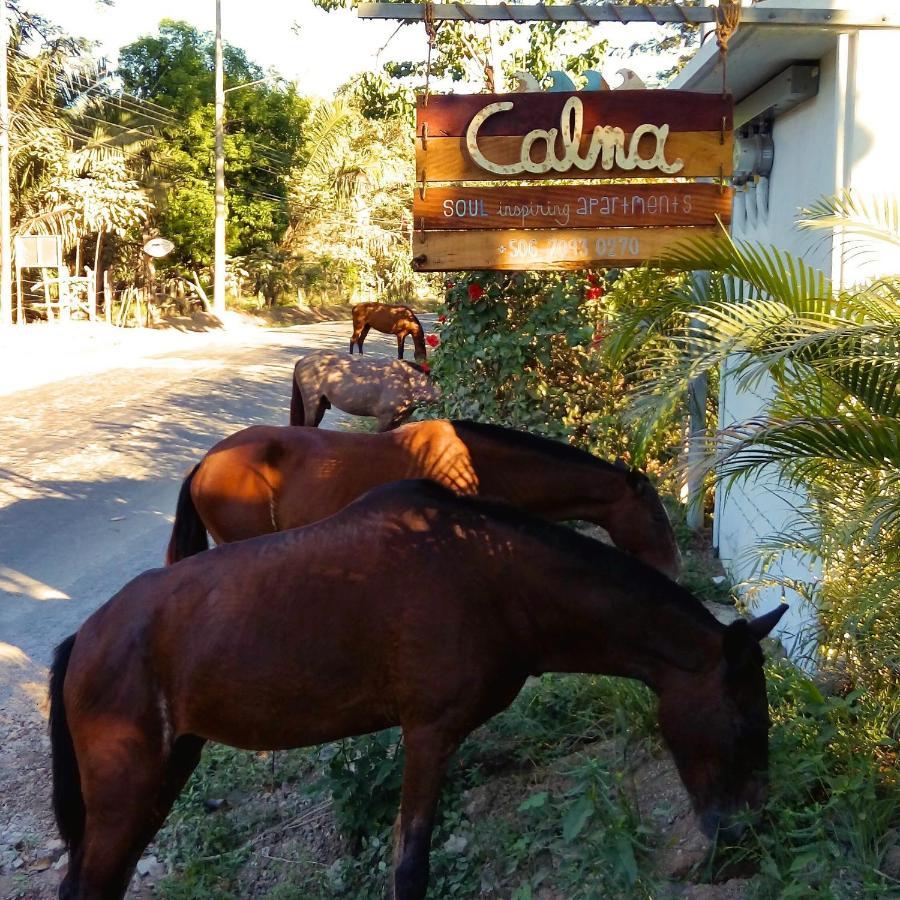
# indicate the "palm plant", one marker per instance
pixel 69 178
pixel 832 426
pixel 350 197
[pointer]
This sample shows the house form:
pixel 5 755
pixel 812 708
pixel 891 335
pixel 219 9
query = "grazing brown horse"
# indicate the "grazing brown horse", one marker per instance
pixel 388 319
pixel 282 641
pixel 266 479
pixel 388 389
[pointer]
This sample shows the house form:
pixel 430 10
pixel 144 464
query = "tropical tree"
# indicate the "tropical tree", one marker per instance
pixel 832 426
pixel 168 79
pixel 351 197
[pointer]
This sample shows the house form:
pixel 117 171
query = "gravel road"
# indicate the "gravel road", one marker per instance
pixel 90 469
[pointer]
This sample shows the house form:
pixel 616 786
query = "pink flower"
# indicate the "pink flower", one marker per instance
pixel 432 340
pixel 476 291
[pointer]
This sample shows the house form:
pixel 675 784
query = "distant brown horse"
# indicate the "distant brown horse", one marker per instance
pixel 318 633
pixel 388 389
pixel 389 319
pixel 265 479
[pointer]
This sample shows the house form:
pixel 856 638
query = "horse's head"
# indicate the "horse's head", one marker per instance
pixel 424 388
pixel 716 723
pixel 641 526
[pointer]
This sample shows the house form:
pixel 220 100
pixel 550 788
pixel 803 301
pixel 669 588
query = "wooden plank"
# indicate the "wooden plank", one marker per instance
pixel 830 18
pixel 447 159
pixel 538 12
pixel 571 206
pixel 449 115
pixel 520 250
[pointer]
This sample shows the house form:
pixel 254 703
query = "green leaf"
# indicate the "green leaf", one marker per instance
pixel 576 818
pixel 535 801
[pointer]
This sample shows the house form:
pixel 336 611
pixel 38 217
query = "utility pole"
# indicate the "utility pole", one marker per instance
pixel 219 243
pixel 5 240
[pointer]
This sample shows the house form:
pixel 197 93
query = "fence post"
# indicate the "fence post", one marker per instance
pixel 107 298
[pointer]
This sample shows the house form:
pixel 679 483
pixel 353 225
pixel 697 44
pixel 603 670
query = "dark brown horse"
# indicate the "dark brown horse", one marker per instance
pixel 266 479
pixel 388 319
pixel 387 389
pixel 288 640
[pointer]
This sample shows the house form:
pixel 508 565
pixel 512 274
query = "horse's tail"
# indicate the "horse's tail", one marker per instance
pixel 68 801
pixel 188 532
pixel 297 415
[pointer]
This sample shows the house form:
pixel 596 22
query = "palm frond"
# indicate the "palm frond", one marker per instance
pixel 870 218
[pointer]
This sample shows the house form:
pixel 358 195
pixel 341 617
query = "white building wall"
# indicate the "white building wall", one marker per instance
pixel 847 136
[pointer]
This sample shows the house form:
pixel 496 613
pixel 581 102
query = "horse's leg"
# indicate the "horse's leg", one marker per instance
pixel 426 755
pixel 386 422
pixel 401 343
pixel 128 794
pixel 362 337
pixel 320 410
pixel 357 331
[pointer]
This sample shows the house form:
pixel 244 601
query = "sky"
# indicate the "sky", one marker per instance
pixel 324 52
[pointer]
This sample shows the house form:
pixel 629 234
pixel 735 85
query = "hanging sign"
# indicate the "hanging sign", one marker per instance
pixel 573 135
pixel 663 137
pixel 544 249
pixel 571 206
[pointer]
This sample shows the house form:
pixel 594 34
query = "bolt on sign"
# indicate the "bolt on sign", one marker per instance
pixel 584 137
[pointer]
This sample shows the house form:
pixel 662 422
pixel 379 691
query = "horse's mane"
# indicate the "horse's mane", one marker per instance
pixel 592 553
pixel 534 443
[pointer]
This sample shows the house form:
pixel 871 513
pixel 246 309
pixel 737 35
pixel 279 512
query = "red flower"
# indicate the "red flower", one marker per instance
pixel 593 279
pixel 425 367
pixel 449 285
pixel 593 293
pixel 600 335
pixel 476 291
pixel 432 340
pixel 442 318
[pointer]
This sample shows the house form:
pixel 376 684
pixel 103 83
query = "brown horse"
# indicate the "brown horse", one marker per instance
pixel 388 319
pixel 388 389
pixel 266 479
pixel 282 641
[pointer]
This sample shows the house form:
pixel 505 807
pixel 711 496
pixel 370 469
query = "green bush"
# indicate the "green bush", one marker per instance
pixel 523 350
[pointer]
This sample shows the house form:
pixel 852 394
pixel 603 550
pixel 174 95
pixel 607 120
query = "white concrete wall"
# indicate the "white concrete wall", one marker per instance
pixel 847 136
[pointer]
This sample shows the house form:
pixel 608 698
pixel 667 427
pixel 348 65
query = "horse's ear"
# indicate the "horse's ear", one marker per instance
pixel 762 625
pixel 636 480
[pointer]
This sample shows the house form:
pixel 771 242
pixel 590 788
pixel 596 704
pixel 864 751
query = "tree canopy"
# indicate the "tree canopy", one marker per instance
pixel 171 74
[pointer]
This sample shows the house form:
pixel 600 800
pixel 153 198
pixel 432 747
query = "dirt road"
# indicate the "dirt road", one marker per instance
pixel 90 468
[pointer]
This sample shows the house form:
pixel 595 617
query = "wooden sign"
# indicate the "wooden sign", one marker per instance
pixel 573 135
pixel 571 206
pixel 37 251
pixel 447 251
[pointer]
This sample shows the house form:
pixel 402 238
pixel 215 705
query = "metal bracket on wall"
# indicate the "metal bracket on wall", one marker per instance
pixel 795 85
